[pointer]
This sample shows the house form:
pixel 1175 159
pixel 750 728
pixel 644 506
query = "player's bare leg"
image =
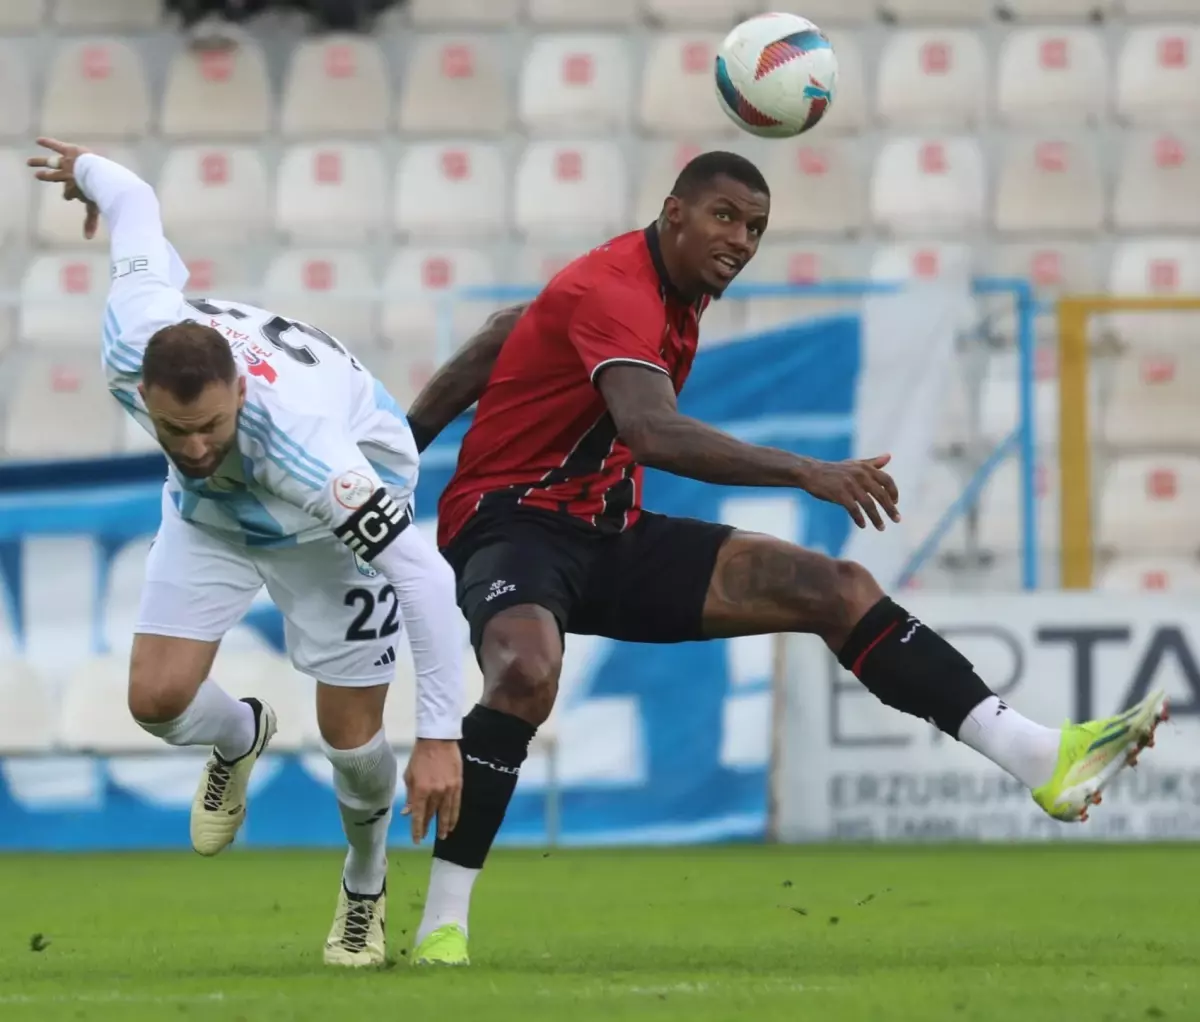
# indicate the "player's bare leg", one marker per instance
pixel 521 656
pixel 762 585
pixel 364 778
pixel 172 696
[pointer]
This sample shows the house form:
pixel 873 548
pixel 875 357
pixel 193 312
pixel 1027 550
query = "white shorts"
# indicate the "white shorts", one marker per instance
pixel 341 617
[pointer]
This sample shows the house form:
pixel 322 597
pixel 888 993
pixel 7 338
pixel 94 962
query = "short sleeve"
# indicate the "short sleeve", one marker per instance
pixel 619 324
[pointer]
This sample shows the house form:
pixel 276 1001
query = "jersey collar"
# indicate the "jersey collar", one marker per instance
pixel 666 285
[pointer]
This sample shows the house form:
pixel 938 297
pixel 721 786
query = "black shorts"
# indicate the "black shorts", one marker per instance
pixel 646 584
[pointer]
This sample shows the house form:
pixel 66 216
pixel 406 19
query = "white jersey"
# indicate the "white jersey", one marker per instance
pixel 316 427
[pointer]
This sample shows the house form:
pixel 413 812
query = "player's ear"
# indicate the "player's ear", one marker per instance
pixel 241 391
pixel 672 211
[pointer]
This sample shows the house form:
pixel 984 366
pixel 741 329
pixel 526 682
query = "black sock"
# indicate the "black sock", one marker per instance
pixel 911 668
pixel 494 745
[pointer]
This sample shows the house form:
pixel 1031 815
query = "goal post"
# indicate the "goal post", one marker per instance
pixel 1075 312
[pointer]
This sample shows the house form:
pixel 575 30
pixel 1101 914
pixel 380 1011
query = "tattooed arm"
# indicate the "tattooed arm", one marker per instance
pixel 642 403
pixel 459 383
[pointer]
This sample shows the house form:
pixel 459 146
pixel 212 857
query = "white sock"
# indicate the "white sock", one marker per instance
pixel 365 782
pixel 1026 750
pixel 449 898
pixel 214 718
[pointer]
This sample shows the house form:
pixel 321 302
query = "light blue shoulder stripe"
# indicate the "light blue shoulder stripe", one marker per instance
pixel 298 472
pixel 286 441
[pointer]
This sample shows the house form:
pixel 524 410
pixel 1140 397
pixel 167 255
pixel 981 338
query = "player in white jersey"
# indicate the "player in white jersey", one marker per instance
pixel 290 467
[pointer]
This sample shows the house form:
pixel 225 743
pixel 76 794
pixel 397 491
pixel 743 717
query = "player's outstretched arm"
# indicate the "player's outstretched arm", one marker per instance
pixel 460 382
pixel 642 402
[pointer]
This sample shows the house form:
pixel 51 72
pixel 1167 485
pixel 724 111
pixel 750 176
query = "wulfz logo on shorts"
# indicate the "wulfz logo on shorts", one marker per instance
pixel 499 588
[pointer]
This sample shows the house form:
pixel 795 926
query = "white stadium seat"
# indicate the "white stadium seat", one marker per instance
pixel 415 281
pixel 60 224
pixel 1156 267
pixel 829 12
pixel 1158 188
pixel 217 93
pixel 929 186
pixel 15 87
pixel 800 263
pixel 433 13
pixel 57 395
pixel 455 85
pixel 214 196
pixel 1048 184
pixel 1157 8
pixel 1148 505
pixel 217 271
pixel 1158 75
pixel 817 187
pixel 932 78
pixel 1054 268
pixel 1053 76
pixel 691 13
pixel 333 290
pixel 1001 522
pixel 451 189
pixel 677 86
pixel 597 13
pixel 272 678
pixel 94 713
pixel 62 301
pixel 108 15
pixel 849 110
pixel 16 183
pixel 575 83
pixel 936 10
pixel 918 260
pixel 28 717
pixel 96 88
pixel 1152 401
pixel 571 188
pixel 404 371
pixel 21 15
pixel 658 169
pixel 1150 575
pixel 1057 10
pixel 1000 396
pixel 336 85
pixel 540 261
pixel 331 193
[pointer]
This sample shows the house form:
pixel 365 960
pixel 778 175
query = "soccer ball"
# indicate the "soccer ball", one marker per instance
pixel 776 75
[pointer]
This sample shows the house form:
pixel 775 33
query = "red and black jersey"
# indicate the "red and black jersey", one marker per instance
pixel 542 436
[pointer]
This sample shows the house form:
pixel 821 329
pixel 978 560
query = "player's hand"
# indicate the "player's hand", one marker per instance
pixel 433 782
pixel 60 169
pixel 861 487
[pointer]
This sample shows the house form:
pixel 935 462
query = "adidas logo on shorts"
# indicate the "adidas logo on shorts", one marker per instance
pixel 388 657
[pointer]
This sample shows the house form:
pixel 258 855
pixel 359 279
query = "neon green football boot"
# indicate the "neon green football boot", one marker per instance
pixel 1090 755
pixel 447 945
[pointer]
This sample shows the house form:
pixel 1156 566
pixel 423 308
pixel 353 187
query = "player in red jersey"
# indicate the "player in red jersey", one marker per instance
pixel 543 524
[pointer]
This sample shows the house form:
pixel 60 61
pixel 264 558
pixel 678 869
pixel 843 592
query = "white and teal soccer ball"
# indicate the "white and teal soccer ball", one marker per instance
pixel 776 75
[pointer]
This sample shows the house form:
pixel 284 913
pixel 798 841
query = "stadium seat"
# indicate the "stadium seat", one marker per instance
pixel 692 13
pixel 829 12
pixel 404 371
pixel 1158 8
pixel 1056 10
pixel 1053 76
pixel 929 186
pixel 28 718
pixel 57 393
pixel 598 13
pixel 849 110
pixel 1000 524
pixel 62 301
pixel 659 165
pixel 455 85
pixel 415 282
pixel 15 87
pixel 677 86
pixel 1050 184
pixel 799 263
pixel 932 78
pixel 935 10
pixel 1000 397
pixel 217 93
pixel 817 187
pixel 433 13
pixel 1053 267
pixel 59 224
pixel 272 678
pixel 1152 401
pixel 1127 575
pixel 539 261
pixel 94 713
pixel 1156 267
pixel 96 88
pixel 571 188
pixel 918 260
pixel 1158 188
pixel 1148 505
pixel 330 193
pixel 452 189
pixel 333 290
pixel 576 84
pixel 336 85
pixel 21 15
pixel 214 196
pixel 218 271
pixel 16 184
pixel 1158 75
pixel 107 15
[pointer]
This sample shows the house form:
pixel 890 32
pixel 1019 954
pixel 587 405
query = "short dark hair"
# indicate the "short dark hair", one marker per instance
pixel 185 358
pixel 707 167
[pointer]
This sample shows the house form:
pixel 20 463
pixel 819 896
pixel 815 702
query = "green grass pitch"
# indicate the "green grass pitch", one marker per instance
pixel 830 934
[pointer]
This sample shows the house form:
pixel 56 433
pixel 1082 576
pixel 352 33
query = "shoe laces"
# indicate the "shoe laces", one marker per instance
pixel 219 773
pixel 359 914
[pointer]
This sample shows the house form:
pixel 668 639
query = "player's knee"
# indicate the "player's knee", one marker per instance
pixel 526 685
pixel 153 699
pixel 855 592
